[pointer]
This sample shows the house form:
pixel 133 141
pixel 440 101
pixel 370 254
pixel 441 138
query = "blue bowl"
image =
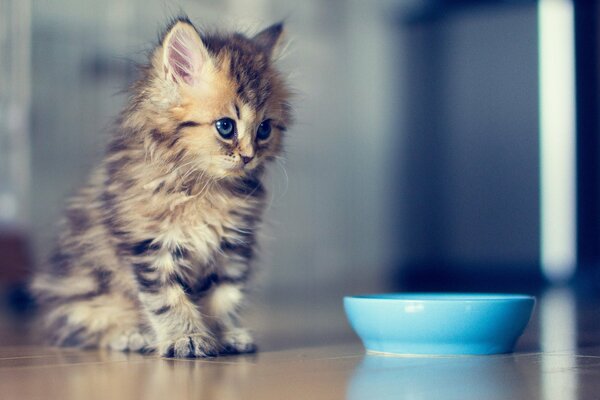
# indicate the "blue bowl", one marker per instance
pixel 439 323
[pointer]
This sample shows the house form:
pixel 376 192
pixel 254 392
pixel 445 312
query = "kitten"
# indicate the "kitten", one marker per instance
pixel 155 252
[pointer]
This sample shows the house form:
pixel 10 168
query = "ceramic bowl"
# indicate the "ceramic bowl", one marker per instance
pixel 439 323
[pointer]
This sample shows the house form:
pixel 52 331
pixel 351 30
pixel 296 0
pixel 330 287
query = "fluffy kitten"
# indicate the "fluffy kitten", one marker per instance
pixel 154 253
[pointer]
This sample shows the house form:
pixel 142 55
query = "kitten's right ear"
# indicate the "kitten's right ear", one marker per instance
pixel 184 54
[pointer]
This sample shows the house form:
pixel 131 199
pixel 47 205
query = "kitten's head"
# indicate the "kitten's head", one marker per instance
pixel 213 101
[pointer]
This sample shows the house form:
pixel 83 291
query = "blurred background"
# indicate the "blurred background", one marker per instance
pixel 440 144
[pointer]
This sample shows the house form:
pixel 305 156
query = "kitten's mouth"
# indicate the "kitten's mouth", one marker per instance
pixel 247 165
pixel 239 170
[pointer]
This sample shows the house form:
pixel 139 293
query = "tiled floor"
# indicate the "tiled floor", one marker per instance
pixel 555 359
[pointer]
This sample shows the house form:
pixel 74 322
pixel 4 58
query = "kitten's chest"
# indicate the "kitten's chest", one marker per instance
pixel 199 228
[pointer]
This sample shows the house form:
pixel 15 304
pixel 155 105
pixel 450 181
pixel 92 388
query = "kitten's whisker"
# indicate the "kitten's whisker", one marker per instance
pixel 244 231
pixel 181 166
pixel 220 251
pixel 187 173
pixel 205 187
pixel 280 161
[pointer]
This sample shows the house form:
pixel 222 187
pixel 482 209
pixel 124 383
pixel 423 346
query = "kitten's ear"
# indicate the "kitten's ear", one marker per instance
pixel 184 54
pixel 270 38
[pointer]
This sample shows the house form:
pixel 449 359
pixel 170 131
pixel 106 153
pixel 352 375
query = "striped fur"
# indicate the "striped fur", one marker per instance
pixel 156 251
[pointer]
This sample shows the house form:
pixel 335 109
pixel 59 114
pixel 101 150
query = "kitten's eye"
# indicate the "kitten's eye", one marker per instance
pixel 225 127
pixel 264 130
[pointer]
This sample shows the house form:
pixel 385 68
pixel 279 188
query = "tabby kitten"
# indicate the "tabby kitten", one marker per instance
pixel 155 252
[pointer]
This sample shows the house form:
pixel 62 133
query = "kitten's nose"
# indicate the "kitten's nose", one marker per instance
pixel 247 159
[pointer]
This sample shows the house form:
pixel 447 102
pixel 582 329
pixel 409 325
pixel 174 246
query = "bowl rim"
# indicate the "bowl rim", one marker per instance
pixel 440 297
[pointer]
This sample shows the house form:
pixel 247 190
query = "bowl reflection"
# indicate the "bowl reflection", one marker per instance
pixel 452 377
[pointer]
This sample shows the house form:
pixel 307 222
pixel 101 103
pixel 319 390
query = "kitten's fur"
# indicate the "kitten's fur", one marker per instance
pixel 154 253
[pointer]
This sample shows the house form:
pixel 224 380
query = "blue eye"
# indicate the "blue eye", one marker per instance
pixel 225 127
pixel 264 130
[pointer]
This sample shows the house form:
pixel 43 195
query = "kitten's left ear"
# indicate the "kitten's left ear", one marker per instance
pixel 270 39
pixel 184 54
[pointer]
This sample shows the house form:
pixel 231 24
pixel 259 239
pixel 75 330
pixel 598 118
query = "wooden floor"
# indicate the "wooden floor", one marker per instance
pixel 310 353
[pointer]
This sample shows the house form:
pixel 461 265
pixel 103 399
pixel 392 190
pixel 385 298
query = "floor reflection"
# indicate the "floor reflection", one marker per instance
pixel 148 377
pixel 467 377
pixel 558 333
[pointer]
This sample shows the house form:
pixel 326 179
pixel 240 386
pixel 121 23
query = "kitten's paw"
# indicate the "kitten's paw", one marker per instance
pixel 190 346
pixel 238 341
pixel 130 341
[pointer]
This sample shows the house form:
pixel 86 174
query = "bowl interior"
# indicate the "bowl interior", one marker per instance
pixel 444 297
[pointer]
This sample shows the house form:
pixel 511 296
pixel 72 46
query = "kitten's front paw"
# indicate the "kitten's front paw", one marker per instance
pixel 190 346
pixel 130 341
pixel 238 341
